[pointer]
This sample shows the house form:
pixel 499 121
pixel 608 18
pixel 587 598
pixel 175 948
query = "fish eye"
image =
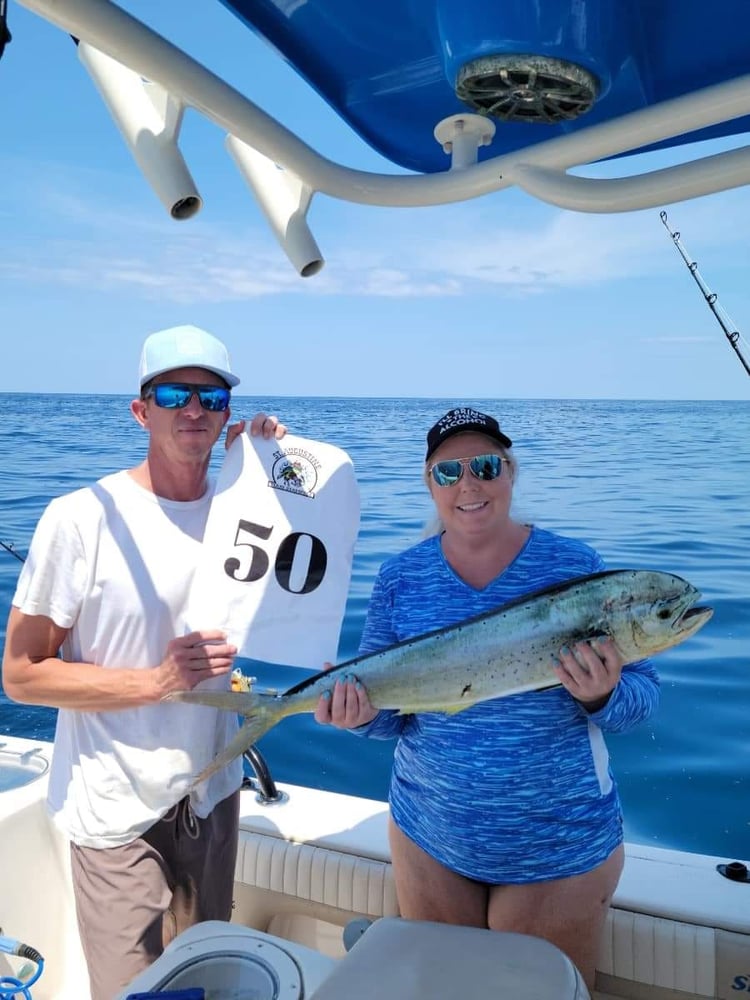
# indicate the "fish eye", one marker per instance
pixel 664 614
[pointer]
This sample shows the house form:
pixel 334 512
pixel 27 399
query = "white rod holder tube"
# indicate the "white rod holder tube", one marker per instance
pixel 149 119
pixel 284 200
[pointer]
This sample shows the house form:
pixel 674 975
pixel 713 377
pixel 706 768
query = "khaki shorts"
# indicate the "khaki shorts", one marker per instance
pixel 131 901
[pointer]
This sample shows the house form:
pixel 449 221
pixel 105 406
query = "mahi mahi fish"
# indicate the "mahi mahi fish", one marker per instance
pixel 493 655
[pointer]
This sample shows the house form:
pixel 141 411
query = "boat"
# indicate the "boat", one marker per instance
pixel 467 98
pixel 315 914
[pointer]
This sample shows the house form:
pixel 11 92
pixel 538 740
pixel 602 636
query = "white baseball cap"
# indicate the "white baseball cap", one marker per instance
pixel 184 347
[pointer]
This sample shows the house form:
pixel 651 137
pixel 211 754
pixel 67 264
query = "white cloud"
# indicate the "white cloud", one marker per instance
pixel 68 233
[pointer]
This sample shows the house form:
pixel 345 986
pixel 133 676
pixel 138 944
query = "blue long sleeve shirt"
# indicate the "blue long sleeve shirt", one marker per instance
pixel 515 789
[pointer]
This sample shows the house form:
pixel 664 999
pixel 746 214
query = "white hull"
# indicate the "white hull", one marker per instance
pixel 311 864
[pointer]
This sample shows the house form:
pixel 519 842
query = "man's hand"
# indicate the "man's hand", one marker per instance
pixel 193 658
pixel 263 424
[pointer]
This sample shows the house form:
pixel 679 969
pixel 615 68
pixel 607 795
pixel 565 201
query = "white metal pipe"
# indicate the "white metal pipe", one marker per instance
pixel 720 172
pixel 115 32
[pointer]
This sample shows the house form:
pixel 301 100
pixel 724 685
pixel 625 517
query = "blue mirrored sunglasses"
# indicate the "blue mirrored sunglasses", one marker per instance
pixel 176 395
pixel 484 467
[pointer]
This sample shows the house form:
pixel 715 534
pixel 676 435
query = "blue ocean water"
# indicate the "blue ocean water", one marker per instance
pixel 662 485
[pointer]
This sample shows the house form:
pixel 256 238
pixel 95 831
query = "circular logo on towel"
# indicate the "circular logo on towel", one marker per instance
pixel 294 472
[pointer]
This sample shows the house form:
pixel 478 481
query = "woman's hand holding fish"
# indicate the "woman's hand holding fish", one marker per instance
pixel 590 671
pixel 346 706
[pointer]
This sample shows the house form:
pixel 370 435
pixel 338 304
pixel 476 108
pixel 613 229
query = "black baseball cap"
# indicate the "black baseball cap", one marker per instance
pixel 463 420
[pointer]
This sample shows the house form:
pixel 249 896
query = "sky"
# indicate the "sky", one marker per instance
pixel 497 297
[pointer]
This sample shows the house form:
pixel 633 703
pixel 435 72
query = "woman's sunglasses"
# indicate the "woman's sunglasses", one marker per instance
pixel 176 395
pixel 484 467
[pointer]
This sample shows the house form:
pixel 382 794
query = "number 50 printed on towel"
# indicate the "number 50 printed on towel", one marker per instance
pixel 277 552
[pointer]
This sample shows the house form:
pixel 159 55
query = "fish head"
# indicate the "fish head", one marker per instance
pixel 662 612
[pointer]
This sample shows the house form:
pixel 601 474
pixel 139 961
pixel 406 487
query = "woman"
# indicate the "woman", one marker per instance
pixel 504 815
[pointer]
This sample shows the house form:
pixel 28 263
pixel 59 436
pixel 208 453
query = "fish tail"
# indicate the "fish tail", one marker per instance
pixel 262 711
pixel 250 732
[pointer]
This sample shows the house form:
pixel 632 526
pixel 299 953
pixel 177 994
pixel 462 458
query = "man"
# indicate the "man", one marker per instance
pixel 106 583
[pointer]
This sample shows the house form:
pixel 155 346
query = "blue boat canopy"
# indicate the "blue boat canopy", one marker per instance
pixel 395 68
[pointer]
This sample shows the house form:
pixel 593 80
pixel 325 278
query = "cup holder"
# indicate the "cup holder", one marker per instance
pixel 19 768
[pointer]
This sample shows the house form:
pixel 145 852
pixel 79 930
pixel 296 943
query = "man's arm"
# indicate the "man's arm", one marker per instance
pixel 34 675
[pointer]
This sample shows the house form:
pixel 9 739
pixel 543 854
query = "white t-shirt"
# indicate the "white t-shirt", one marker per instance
pixel 114 563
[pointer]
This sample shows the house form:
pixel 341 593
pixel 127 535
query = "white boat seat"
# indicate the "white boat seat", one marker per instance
pixel 399 959
pixel 228 960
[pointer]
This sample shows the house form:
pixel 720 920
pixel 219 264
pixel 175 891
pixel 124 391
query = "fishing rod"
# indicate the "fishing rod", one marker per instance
pixel 12 549
pixel 732 335
pixel 5 35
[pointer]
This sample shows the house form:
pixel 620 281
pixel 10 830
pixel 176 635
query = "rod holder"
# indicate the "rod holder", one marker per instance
pixel 149 119
pixel 284 200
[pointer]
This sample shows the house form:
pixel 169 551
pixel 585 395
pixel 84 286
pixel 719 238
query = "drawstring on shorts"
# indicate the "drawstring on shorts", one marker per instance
pixel 182 811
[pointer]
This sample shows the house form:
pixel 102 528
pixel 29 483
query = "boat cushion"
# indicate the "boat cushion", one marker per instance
pixel 399 959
